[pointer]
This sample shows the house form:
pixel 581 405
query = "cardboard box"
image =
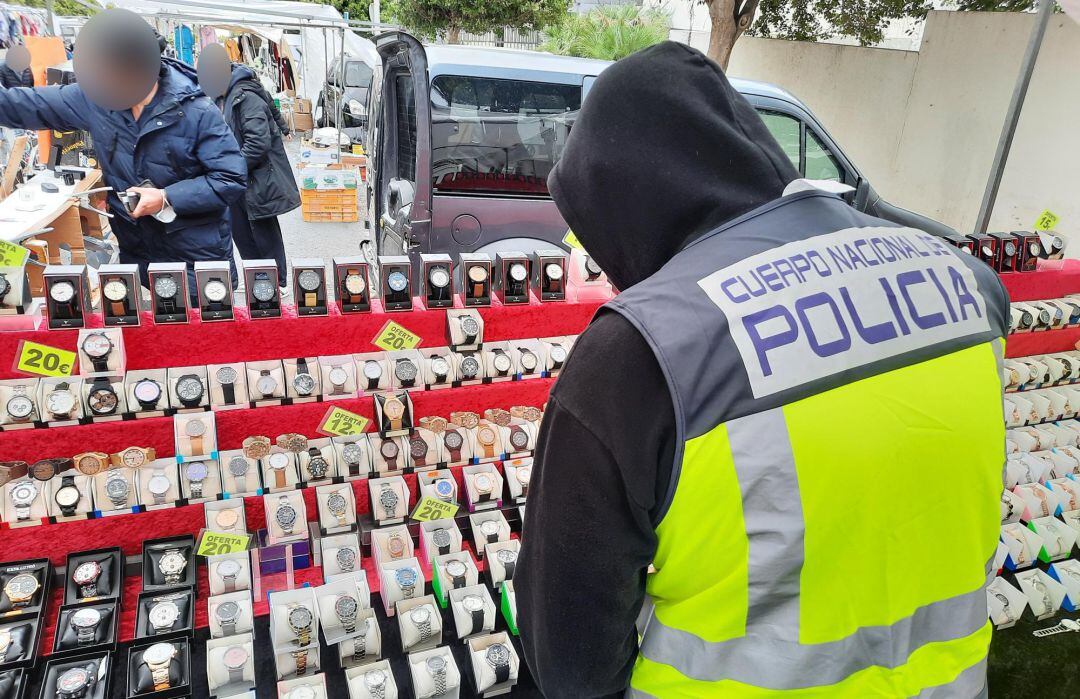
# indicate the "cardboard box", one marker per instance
pixel 302 106
pixel 302 122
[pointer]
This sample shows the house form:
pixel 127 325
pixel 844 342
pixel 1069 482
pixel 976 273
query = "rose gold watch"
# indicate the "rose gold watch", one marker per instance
pixel 435 424
pixel 486 436
pixel 497 415
pixel 394 410
pixel 465 419
pixel 91 462
pixel 257 448
pixel 525 412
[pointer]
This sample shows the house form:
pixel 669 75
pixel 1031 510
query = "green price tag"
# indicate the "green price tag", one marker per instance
pixel 430 509
pixel 12 254
pixel 571 240
pixel 1046 221
pixel 43 360
pixel 339 422
pixel 218 543
pixel 394 336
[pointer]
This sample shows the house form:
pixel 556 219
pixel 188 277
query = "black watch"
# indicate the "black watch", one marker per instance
pixel 477 620
pixel 67 503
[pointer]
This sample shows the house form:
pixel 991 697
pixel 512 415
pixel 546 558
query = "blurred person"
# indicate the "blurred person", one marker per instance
pixel 249 111
pixel 15 71
pixel 739 457
pixel 156 135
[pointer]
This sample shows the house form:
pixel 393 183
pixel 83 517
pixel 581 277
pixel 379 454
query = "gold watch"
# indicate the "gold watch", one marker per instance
pixel 91 462
pixel 394 410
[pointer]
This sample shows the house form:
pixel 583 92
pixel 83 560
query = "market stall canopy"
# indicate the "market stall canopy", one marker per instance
pixel 320 27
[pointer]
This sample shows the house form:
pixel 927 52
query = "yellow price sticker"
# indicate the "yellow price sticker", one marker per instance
pixel 218 543
pixel 1046 221
pixel 12 254
pixel 43 360
pixel 430 509
pixel 395 336
pixel 339 422
pixel 571 240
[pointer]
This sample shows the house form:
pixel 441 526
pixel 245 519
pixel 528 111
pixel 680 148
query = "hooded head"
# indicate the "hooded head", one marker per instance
pixel 664 150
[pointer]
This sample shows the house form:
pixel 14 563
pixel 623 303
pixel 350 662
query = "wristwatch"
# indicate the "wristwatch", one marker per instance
pixel 86 577
pixel 196 473
pixel 515 278
pixel 389 451
pixel 339 378
pixel 256 448
pixel 117 489
pixel 147 393
pixel 317 466
pixel 20 407
pixel 195 429
pixel 354 286
pixel 490 529
pixel 67 496
pixel 498 416
pixel 115 290
pixel 44 469
pixel 22 497
pixel 97 347
pixel 227 615
pixel 346 609
pixel 263 289
pixel 418 449
pixel 234 660
pixel 444 489
pixel 62 292
pixel 442 540
pixel 395 546
pixel 457 571
pixel 228 570
pixel 278 462
pixel 470 329
pixel 352 453
pixel 507 558
pixel 592 270
pixel 474 605
pixel 519 438
pixel 485 486
pixel 172 566
pixel 165 288
pixel 528 360
pixel 397 282
pixel 190 390
pixel 299 620
pixel 526 412
pixel 388 499
pixel 101 398
pixel 303 382
pixel 338 506
pixel 523 474
pixel 60 402
pixel 163 616
pixel 438 281
pixel 375 682
pixel 453 441
pixel 406 581
pixel 285 516
pixel 74 683
pixel 1039 587
pixel 394 410
pixel 501 362
pixel 436 667
pixel 158 658
pixel 440 368
pixel 226 377
pixel 346 559
pixel 557 355
pixel 266 384
pixel 360 641
pixel 420 617
pixel 20 590
pixel 159 486
pixel 238 468
pixel 372 372
pixel 1005 606
pixel 405 371
pixel 478 276
pixel 309 282
pixel 469 367
pixel 465 419
pixel 498 657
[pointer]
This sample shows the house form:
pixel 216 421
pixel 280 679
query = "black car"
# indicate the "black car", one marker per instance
pixel 350 100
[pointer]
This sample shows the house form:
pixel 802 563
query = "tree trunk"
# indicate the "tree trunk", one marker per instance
pixel 453 35
pixel 728 20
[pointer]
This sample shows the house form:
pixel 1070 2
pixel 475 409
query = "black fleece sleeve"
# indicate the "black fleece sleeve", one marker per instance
pixel 602 465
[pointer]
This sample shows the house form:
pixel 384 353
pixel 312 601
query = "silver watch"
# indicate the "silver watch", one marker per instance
pixel 421 619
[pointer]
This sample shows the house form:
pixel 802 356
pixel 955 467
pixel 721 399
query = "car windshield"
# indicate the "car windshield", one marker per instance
pixel 498 136
pixel 357 74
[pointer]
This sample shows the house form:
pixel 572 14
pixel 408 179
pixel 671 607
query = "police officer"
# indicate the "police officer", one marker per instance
pixel 792 412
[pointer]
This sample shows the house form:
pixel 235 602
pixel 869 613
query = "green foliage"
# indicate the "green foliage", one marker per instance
pixel 60 7
pixel 609 32
pixel 357 9
pixel 997 5
pixel 431 18
pixel 817 20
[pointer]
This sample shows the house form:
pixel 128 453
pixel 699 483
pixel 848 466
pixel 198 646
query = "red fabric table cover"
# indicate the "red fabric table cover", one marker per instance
pixel 1053 279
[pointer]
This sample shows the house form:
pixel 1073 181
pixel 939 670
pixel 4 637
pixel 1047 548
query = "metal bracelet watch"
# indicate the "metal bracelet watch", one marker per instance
pixel 420 618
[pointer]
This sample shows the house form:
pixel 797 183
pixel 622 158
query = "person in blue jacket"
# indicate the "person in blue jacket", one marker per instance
pixel 155 134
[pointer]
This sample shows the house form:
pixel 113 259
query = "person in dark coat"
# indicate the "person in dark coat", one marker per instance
pixel 171 146
pixel 271 186
pixel 12 78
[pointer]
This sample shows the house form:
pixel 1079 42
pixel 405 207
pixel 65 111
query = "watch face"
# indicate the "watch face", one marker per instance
pixel 62 292
pixel 226 519
pixel 506 555
pixel 405 577
pixel 472 603
pixel 235 657
pixel 279 460
pixel 172 563
pixel 372 370
pixel 355 284
pixel 5 286
pixel 189 388
pixel 389 449
pixel 86 573
pixel 346 559
pixel 195 428
pixel 405 370
pixel 420 615
pixel 485 435
pixel 441 537
pixel 147 391
pixel 73 681
pixel 318 467
pixel 592 268
pixel 102 401
pixel 215 291
pixel 226 375
pixel 439 366
pixel 304 384
pixel 352 453
pixel 263 290
pixel 285 516
pixel 266 385
pixel 309 280
pixel 301 692
pixel 1044 317
pixel 554 271
pixel 456 568
pixel 158 654
pixel 524 474
pixel 300 617
pixel 115 290
pixel 117 488
pixel 338 376
pixel 60 402
pixel 518 272
pixel 227 612
pixel 469 367
pixel 22 586
pixel 436 664
pixel 497 654
pixel 478 274
pixel 24 493
pixel 397 281
pixel 165 287
pixel 336 503
pixel 163 614
pixel 20 407
pixel 489 527
pixel 158 485
pixel 558 353
pixel 229 568
pixel 528 361
pixel 346 607
pixel 238 466
pixel 132 457
pixel 374 679
pixel 502 363
pixel 1010 248
pixel 438 276
pixel 1034 249
pixel 68 496
pixel 444 488
pixel 519 439
pixel 418 448
pixel 96 345
pixel 453 439
pixel 393 408
pixel 196 471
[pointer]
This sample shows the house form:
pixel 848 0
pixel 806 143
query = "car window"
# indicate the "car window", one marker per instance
pixel 498 136
pixel 820 163
pixel 788 133
pixel 405 111
pixel 357 74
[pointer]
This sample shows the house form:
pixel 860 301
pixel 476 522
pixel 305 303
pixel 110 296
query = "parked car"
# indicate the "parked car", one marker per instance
pixel 462 138
pixel 347 91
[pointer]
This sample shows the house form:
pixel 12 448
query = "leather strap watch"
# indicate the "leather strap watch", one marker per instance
pixel 453 441
pixel 474 604
pixel 353 285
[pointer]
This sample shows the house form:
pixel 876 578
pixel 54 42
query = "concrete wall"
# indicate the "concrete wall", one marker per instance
pixel 923 125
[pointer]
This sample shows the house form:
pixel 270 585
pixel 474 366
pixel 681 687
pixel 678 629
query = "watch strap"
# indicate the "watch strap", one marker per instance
pixel 477 621
pixel 502 673
pixel 100 363
pixel 508 569
pixel 228 391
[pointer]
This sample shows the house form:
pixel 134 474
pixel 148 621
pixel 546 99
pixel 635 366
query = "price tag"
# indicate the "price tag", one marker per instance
pixel 43 360
pixel 571 240
pixel 339 422
pixel 394 336
pixel 1046 221
pixel 12 254
pixel 430 509
pixel 218 543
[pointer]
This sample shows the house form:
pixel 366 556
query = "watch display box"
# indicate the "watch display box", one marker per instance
pixel 228 385
pixel 226 516
pixel 70 495
pixel 169 292
pixel 195 435
pixel 1068 574
pixel 473 611
pixel 1023 544
pixel 1029 250
pixel 986 248
pixel 25 503
pixel 240 474
pixel 24 632
pixel 200 479
pixel 550 274
pixel 556 350
pixel 90 674
pixel 1006 603
pixel 393 414
pixel 498 362
pixel 373 371
pixel 424 449
pixel 173 657
pixel 230 665
pixel 286 663
pixel 104 398
pixel 501 560
pixel 352 286
pixel 437 368
pixel 116 490
pixel 475 278
pixel 294 621
pixel 340 603
pixel 339 378
pixel 318 463
pixel 121 290
pixel 266 382
pixel 1044 593
pixel 86 627
pixel 420 623
pixel 19 398
pixel 390 501
pixel 15 296
pixel 188 388
pixel 400 580
pixel 103 575
pixel 353 456
pixel 437 280
pixel 312 686
pixel 340 555
pixel 1008 254
pixel 1058 538
pixel 453 571
pixel 392 543
pixel 230 614
pixel 101 352
pixel 378 674
pixel 18 593
pixel 961 242
pixel 146 391
pixel 303 379
pixel 67 296
pixel 395 272
pixel 229 572
pixel 426 665
pixel 488 528
pixel 337 508
pixel 162 570
pixel 280 471
pixel 365 647
pixel 464 329
pixel 159 484
pixel 495 664
pixel 470 368
pixel 407 369
pixel 214 282
pixel 518 474
pixel 309 286
pixel 166 614
pixel 286 517
pixel 261 288
pixel 512 277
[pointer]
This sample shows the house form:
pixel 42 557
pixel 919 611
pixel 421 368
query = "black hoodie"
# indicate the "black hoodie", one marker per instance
pixel 663 151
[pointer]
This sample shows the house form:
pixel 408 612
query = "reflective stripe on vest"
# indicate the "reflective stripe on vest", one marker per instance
pixel 834 511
